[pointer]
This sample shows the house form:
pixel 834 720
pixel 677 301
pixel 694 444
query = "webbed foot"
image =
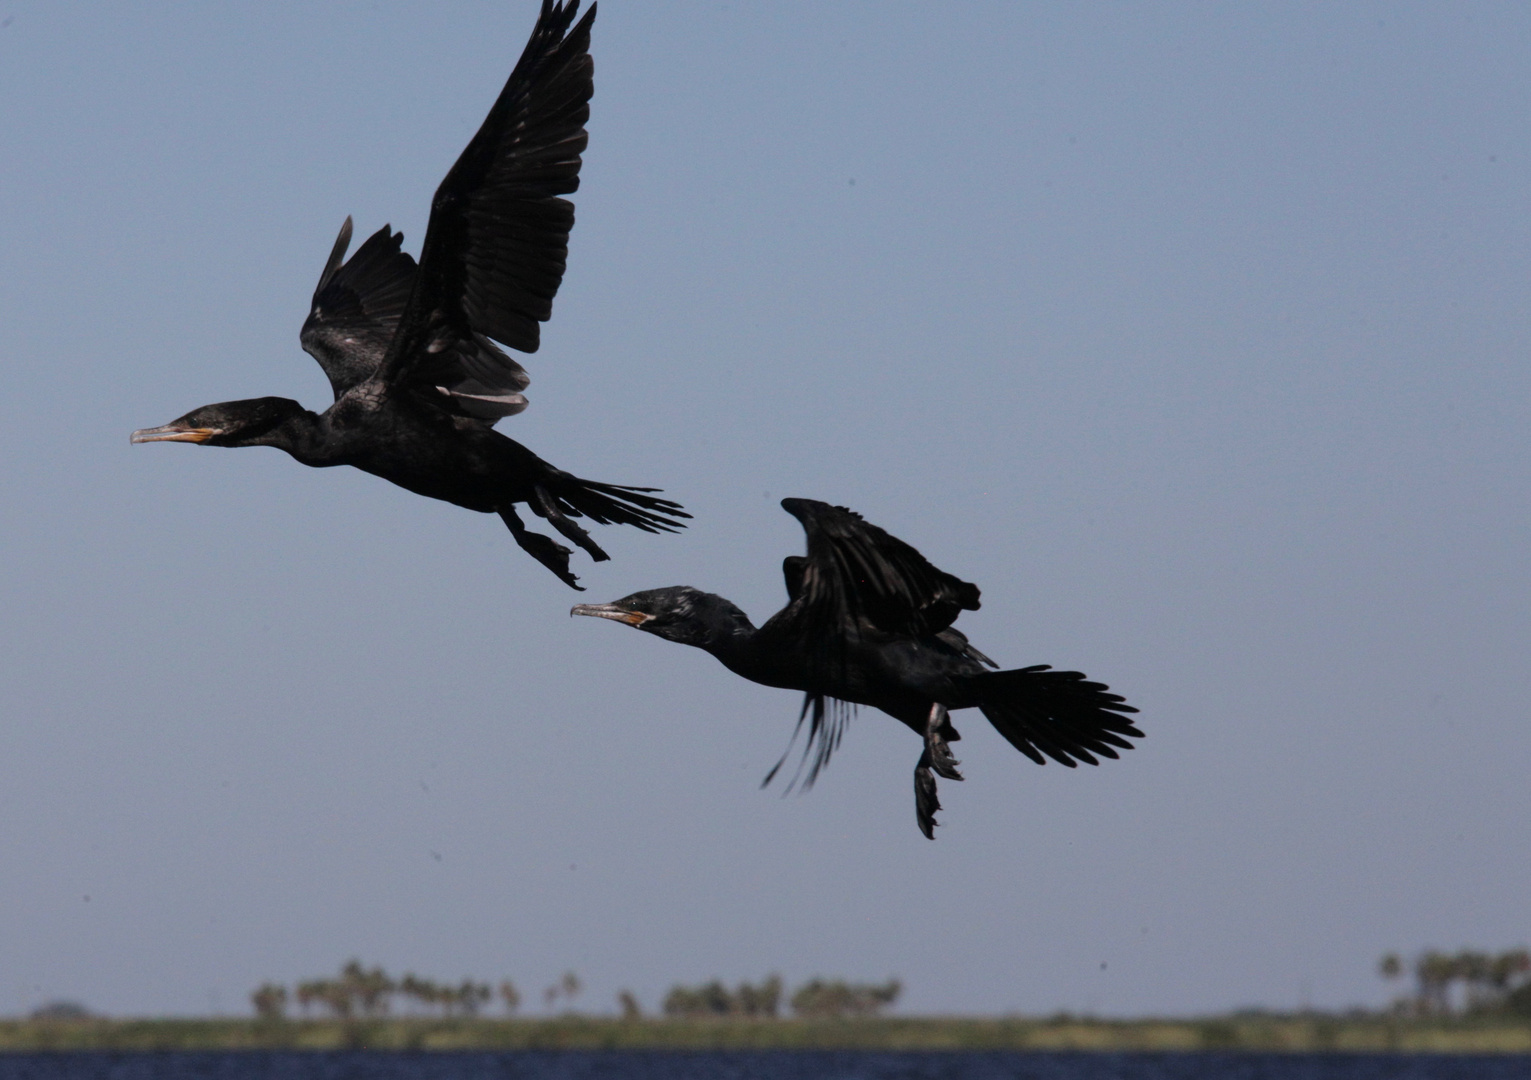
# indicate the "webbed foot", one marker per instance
pixel 544 549
pixel 925 802
pixel 548 507
pixel 936 748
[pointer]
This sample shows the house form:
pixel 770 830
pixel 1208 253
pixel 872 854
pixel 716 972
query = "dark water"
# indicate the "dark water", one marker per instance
pixel 756 1065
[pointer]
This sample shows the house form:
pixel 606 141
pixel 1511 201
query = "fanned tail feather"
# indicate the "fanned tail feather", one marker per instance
pixel 1055 714
pixel 614 504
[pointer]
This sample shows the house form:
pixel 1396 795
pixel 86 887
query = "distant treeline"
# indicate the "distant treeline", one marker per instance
pixel 368 993
pixel 1464 983
pixel 817 998
pixel 362 993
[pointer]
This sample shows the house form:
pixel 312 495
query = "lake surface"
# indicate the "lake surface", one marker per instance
pixel 755 1065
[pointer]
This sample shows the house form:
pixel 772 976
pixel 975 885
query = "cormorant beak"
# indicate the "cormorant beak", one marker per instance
pixel 611 611
pixel 174 433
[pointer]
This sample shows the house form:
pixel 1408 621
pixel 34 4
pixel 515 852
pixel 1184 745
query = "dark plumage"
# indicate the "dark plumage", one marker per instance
pixel 418 383
pixel 868 622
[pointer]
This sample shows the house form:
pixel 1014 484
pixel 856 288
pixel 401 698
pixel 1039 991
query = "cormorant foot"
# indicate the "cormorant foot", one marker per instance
pixel 942 761
pixel 544 549
pixel 925 802
pixel 937 752
pixel 547 507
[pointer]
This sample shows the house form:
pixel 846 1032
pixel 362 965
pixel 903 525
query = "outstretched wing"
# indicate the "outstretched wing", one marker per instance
pixel 357 306
pixel 498 237
pixel 855 577
pixel 856 573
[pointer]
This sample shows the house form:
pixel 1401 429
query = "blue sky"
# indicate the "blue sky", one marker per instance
pixel 1194 333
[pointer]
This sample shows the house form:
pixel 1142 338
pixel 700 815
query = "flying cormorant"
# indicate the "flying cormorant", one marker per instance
pixel 869 622
pixel 418 383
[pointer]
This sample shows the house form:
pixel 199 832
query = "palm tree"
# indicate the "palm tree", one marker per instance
pixel 567 987
pixel 368 990
pixel 510 996
pixel 1434 972
pixel 835 999
pixel 324 992
pixel 759 1000
pixel 424 991
pixel 270 1002
pixel 468 997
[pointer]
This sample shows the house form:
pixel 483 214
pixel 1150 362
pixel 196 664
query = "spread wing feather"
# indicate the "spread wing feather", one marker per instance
pixel 357 305
pixel 827 718
pixel 856 573
pixel 856 577
pixel 498 238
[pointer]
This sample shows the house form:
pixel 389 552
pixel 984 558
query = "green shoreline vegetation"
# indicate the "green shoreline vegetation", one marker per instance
pixel 1463 1003
pixel 1294 1033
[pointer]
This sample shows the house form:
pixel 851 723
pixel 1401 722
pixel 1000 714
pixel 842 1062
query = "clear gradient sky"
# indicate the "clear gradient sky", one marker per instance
pixel 1196 333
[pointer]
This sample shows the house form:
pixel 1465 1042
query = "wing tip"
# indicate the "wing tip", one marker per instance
pixel 812 509
pixel 337 257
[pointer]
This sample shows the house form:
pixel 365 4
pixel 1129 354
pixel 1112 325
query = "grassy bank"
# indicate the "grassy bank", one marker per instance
pixel 1293 1034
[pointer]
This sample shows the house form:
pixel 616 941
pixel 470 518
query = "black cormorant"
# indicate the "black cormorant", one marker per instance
pixel 869 622
pixel 418 383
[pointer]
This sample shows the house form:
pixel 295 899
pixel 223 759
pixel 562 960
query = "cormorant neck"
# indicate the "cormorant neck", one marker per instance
pixel 718 626
pixel 730 642
pixel 301 433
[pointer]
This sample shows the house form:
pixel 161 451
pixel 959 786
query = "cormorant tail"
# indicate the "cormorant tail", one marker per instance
pixel 1060 714
pixel 611 504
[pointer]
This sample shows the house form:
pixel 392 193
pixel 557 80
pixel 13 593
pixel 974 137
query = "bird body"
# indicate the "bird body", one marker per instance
pixel 868 622
pixel 417 380
pixel 420 449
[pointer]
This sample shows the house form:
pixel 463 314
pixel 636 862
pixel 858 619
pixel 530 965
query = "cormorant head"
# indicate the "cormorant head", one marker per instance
pixel 679 613
pixel 228 423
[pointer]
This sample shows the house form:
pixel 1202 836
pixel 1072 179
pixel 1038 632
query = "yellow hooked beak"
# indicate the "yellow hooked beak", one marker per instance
pixel 611 611
pixel 171 433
